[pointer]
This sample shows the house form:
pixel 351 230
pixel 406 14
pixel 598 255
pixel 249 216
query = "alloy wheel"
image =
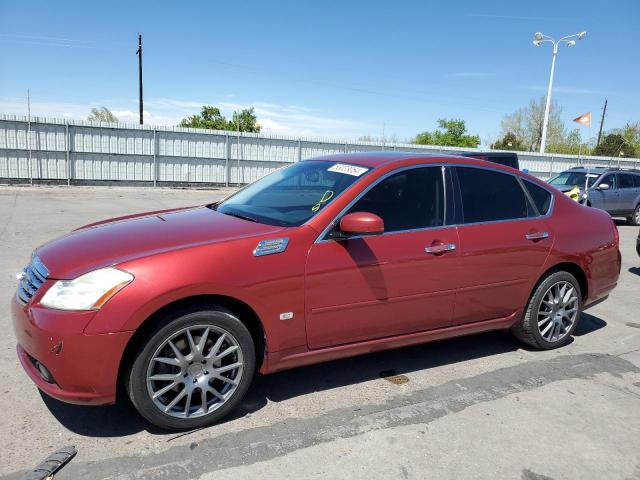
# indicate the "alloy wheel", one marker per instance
pixel 195 371
pixel 558 311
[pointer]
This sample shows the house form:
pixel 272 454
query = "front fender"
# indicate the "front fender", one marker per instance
pixel 271 285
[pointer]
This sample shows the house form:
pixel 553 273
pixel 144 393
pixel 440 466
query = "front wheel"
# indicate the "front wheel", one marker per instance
pixel 193 370
pixel 552 313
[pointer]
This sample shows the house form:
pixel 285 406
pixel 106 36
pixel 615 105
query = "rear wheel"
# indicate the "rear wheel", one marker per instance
pixel 193 370
pixel 635 218
pixel 552 313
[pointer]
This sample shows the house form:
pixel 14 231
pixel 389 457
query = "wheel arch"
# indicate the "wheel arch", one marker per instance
pixel 572 268
pixel 245 313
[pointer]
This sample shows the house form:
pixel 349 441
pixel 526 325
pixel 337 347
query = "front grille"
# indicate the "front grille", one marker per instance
pixel 32 277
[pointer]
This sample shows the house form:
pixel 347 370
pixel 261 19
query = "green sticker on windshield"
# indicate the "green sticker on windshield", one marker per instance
pixel 326 196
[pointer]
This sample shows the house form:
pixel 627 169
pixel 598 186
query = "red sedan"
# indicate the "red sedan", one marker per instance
pixel 324 259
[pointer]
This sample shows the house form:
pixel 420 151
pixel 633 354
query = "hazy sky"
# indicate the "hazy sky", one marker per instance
pixel 321 69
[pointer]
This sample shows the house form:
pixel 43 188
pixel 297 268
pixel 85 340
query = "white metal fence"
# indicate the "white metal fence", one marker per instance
pixel 65 151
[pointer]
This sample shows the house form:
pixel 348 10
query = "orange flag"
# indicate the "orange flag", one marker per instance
pixel 584 119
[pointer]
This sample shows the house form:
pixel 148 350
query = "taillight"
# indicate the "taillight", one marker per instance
pixel 616 233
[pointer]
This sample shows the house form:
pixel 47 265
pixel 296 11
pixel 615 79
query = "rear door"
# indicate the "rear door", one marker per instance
pixel 504 241
pixel 628 192
pixel 395 283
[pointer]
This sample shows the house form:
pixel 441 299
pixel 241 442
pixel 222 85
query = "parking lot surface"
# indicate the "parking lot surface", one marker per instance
pixel 482 406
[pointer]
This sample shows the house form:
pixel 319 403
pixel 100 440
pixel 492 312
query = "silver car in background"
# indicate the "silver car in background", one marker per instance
pixel 614 190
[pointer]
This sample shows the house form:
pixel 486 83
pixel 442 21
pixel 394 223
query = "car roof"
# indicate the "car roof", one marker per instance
pixel 492 154
pixel 602 170
pixel 378 159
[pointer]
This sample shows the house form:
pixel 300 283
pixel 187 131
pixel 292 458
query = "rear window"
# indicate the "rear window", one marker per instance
pixel 540 196
pixel 626 180
pixel 488 196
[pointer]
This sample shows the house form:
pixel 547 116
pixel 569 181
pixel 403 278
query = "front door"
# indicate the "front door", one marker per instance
pixel 628 192
pixel 609 199
pixel 390 284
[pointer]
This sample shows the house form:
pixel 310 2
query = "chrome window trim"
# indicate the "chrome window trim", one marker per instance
pixel 332 223
pixel 518 177
pixel 320 238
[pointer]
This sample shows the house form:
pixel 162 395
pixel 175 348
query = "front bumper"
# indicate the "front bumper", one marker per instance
pixel 84 367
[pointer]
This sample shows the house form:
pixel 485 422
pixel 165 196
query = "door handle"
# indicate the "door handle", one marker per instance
pixel 536 235
pixel 441 248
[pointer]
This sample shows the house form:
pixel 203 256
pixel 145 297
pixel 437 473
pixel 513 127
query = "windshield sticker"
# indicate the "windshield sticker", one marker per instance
pixel 326 196
pixel 348 169
pixel 593 175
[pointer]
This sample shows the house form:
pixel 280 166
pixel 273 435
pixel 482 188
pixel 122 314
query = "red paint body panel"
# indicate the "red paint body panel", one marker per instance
pixel 385 285
pixel 347 297
pixel 122 240
pixel 498 267
pixel 85 367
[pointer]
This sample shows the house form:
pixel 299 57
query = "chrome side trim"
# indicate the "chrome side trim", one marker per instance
pixel 331 225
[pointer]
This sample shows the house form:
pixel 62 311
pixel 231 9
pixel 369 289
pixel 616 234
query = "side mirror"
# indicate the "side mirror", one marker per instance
pixel 361 223
pixel 603 186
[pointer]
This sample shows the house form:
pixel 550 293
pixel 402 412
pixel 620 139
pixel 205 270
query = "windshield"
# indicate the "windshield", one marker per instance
pixel 574 179
pixel 290 196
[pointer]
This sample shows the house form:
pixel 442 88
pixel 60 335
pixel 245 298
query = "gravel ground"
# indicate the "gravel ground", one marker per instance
pixel 474 407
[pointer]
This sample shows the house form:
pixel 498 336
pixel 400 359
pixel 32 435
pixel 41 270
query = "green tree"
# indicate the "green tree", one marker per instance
pixel 450 133
pixel 211 118
pixel 245 121
pixel 615 145
pixel 572 144
pixel 631 133
pixel 102 114
pixel 509 142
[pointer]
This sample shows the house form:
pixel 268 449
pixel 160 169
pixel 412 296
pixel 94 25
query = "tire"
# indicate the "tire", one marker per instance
pixel 634 219
pixel 184 372
pixel 541 336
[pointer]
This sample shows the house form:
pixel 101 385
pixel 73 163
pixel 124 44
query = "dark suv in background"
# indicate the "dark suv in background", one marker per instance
pixel 615 190
pixel 508 159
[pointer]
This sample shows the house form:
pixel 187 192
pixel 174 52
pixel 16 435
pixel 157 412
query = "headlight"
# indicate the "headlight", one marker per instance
pixel 87 292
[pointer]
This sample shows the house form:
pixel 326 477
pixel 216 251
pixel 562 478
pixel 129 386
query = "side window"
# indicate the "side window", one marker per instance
pixel 540 196
pixel 626 180
pixel 611 180
pixel 406 200
pixel 636 181
pixel 488 195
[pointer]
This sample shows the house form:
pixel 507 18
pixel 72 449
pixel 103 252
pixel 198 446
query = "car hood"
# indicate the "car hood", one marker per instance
pixel 121 239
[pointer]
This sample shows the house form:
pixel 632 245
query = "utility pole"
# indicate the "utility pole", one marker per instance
pixel 604 111
pixel 139 53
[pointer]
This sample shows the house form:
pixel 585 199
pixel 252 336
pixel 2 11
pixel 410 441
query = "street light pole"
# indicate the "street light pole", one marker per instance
pixel 547 107
pixel 570 42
